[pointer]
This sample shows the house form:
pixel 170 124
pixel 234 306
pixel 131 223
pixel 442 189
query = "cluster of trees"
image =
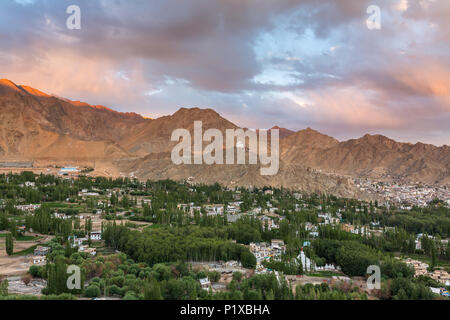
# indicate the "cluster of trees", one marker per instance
pixel 431 220
pixel 408 289
pixel 325 292
pixel 118 275
pixel 257 287
pixel 44 222
pixel 172 244
pixel 57 277
pixel 352 256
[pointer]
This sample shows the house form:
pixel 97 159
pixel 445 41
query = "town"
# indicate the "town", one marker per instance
pixel 405 195
pixel 137 240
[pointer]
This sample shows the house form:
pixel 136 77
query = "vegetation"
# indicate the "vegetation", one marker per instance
pixel 139 261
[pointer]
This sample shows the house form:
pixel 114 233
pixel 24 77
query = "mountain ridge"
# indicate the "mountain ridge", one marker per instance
pixel 36 125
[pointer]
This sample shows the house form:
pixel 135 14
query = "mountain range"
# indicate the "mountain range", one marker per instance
pixel 38 126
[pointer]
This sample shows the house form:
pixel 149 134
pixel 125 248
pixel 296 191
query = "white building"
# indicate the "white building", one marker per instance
pixel 96 235
pixel 205 283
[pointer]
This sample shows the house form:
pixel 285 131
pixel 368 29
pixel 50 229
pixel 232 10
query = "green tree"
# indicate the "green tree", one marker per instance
pixel 93 291
pixel 237 276
pixel 433 257
pixel 9 245
pixel 57 277
pixel 4 288
pixel 152 290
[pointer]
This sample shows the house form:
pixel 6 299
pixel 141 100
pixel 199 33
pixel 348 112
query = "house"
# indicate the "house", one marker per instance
pixel 347 227
pixel 418 244
pixel 91 251
pixel 233 263
pixel 41 251
pixel 214 209
pixel 420 268
pixel 96 235
pixel 77 242
pixel 277 244
pixel 38 260
pixel 28 207
pixel 297 196
pixel 218 287
pixel 205 283
pixel 233 218
pixel 441 276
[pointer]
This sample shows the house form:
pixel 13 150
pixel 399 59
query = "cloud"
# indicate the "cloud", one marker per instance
pixel 291 63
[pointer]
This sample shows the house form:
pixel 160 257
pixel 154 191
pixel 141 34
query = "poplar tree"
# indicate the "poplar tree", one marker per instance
pixel 9 245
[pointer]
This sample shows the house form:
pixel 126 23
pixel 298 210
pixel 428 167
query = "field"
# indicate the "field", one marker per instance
pixel 19 262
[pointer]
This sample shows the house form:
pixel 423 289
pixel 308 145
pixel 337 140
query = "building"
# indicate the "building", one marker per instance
pixel 91 251
pixel 28 207
pixel 38 260
pixel 69 171
pixel 277 244
pixel 41 251
pixel 96 235
pixel 441 276
pixel 77 242
pixel 218 287
pixel 205 283
pixel 347 227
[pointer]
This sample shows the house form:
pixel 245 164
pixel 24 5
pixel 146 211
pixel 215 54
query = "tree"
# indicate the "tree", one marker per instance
pixel 237 276
pixel 433 257
pixel 68 250
pixel 57 277
pixel 4 223
pixel 152 290
pixel 130 295
pixel 13 228
pixel 35 271
pixel 4 288
pixel 9 245
pixel 93 291
pixel 214 276
pixel 248 260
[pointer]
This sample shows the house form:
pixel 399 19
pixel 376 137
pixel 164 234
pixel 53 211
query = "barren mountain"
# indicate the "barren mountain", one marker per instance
pixel 372 156
pixel 283 132
pixel 155 136
pixel 35 125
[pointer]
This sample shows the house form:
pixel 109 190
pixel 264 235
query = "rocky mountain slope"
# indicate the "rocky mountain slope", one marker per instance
pixel 35 125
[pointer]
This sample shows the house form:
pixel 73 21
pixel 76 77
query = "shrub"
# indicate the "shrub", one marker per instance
pixel 35 271
pixel 92 291
pixel 130 295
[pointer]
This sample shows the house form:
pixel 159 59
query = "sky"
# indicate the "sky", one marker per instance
pixel 259 63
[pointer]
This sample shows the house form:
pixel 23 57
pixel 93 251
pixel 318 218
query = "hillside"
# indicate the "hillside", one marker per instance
pixel 35 125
